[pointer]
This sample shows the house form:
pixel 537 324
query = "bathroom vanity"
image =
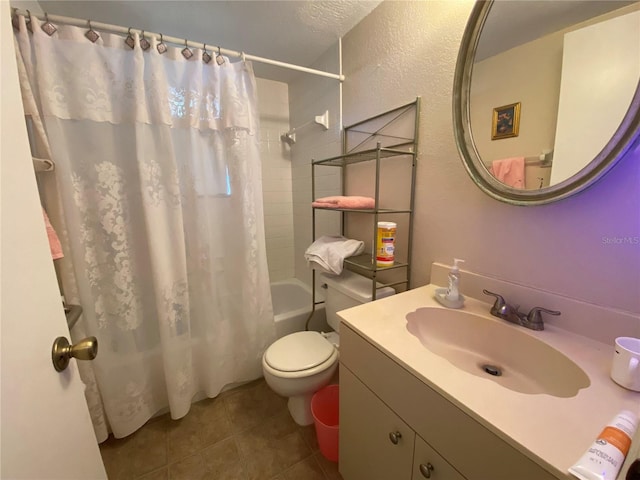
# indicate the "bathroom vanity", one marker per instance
pixel 409 413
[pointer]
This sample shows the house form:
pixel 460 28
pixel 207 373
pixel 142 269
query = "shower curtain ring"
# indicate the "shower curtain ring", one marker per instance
pixel 219 57
pixel 186 53
pixel 28 22
pixel 48 27
pixel 15 21
pixel 206 58
pixel 92 35
pixel 144 43
pixel 162 48
pixel 131 43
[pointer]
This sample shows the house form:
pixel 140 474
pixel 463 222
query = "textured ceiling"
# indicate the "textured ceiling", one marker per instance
pixel 289 31
pixel 513 23
pixel 299 31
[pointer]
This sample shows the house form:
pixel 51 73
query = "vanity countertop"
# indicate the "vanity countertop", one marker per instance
pixel 552 431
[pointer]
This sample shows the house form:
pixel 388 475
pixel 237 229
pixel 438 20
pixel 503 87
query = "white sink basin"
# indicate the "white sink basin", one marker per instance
pixel 498 351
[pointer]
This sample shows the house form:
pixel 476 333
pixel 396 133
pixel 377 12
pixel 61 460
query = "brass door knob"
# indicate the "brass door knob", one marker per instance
pixel 62 351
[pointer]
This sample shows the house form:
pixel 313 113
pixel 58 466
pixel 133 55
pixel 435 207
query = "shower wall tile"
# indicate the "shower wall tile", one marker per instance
pixel 281 243
pixel 276 233
pixel 273 106
pixel 278 171
pixel 281 264
pixel 279 209
pixel 301 171
pixel 303 198
pixel 279 221
pixel 277 197
pixel 328 183
pixel 276 184
pixel 301 208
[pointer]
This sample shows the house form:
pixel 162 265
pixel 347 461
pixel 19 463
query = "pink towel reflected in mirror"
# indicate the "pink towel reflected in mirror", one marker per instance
pixel 509 171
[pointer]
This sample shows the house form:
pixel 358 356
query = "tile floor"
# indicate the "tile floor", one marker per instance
pixel 243 434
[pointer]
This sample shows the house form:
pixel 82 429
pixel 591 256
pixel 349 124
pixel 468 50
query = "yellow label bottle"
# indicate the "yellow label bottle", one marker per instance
pixel 386 244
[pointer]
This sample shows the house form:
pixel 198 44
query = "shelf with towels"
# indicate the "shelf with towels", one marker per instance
pixel 367 262
pixel 399 128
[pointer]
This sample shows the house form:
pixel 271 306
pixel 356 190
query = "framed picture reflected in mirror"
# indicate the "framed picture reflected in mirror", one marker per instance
pixel 506 121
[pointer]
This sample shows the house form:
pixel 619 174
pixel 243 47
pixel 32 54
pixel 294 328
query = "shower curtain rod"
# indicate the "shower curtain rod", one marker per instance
pixel 179 41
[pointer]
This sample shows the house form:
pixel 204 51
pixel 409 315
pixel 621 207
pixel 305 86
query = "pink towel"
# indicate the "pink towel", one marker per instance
pixel 54 241
pixel 509 171
pixel 345 202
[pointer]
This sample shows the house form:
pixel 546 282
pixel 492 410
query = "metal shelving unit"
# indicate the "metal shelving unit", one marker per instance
pixel 390 136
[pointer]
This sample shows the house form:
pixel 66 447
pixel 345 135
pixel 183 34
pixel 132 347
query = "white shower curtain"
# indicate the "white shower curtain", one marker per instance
pixel 157 199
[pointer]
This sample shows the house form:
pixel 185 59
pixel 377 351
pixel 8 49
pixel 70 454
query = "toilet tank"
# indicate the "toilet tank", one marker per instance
pixel 348 290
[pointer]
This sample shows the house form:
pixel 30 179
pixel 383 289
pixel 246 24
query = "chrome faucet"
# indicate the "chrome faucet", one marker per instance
pixel 532 320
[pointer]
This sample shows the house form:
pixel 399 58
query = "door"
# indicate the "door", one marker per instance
pixel 599 58
pixel 45 428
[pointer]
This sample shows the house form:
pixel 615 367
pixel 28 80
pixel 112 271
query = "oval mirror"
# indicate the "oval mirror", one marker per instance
pixel 546 95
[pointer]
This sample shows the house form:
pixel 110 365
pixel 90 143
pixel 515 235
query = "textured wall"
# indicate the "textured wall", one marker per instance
pixel 405 49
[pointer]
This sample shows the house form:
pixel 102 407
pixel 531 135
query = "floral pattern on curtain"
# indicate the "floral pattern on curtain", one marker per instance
pixel 157 199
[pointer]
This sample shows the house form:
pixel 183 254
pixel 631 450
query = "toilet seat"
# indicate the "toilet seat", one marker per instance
pixel 299 352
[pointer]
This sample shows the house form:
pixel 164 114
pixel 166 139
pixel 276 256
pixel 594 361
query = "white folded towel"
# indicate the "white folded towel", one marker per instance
pixel 328 252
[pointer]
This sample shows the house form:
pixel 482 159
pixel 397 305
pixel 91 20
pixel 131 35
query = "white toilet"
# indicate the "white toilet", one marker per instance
pixel 299 364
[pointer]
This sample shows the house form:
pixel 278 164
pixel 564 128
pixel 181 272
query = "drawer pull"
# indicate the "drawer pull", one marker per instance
pixel 426 470
pixel 395 437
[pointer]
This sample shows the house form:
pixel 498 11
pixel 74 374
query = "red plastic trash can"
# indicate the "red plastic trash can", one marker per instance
pixel 325 407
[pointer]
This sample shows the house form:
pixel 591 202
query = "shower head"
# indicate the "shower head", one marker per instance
pixel 289 138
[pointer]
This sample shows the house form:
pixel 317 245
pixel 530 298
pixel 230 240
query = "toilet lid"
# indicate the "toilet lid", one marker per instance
pixel 298 351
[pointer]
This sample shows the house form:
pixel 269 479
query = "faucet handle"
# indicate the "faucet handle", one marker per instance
pixel 534 315
pixel 499 306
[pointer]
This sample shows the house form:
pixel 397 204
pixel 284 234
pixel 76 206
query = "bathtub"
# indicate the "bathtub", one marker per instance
pixel 292 305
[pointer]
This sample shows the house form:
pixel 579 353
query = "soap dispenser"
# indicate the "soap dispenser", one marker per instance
pixel 453 292
pixel 451 297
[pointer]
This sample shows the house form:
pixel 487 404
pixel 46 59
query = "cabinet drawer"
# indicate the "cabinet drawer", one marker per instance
pixel 366 450
pixel 427 463
pixel 477 453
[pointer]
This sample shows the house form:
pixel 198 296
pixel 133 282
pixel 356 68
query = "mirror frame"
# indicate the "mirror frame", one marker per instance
pixel 627 134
